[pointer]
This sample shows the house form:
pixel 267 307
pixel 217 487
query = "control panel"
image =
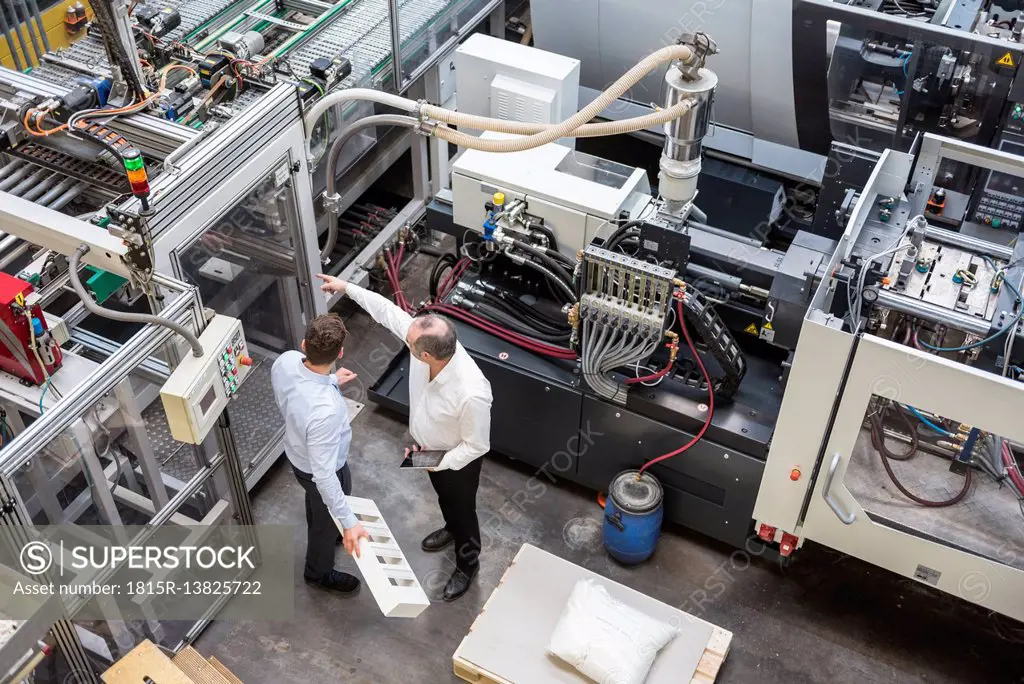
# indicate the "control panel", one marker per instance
pixel 1001 200
pixel 199 388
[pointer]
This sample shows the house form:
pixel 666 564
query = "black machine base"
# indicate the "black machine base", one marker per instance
pixel 544 417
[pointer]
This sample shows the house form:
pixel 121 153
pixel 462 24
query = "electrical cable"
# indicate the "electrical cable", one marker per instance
pixel 93 307
pixel 711 395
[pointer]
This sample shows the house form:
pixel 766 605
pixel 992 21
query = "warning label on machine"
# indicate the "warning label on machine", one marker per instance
pixel 1006 60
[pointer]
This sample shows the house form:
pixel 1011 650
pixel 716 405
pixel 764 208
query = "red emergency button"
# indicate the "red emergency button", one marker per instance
pixel 794 474
pixel 245 360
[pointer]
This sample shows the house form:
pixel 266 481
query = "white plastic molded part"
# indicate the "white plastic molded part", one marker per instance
pixel 383 565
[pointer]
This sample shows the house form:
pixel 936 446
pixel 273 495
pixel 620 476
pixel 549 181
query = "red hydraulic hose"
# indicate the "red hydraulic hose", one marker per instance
pixel 1011 468
pixel 509 335
pixel 711 396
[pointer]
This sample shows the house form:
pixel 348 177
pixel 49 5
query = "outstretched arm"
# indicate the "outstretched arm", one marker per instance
pixel 379 308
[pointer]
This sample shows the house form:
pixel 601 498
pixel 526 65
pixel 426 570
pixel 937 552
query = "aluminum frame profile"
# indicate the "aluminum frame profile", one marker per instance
pixel 225 153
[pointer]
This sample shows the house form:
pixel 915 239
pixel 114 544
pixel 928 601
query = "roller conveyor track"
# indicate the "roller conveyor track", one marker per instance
pixel 362 32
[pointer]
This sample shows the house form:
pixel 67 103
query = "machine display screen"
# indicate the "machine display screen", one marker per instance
pixel 206 403
pixel 1004 182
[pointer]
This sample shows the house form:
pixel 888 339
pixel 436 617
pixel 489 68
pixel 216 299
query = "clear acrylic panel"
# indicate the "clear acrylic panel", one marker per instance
pixel 426 25
pixel 245 265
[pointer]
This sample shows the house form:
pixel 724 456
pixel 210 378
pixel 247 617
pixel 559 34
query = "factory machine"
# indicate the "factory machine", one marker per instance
pixel 163 215
pixel 178 126
pixel 847 376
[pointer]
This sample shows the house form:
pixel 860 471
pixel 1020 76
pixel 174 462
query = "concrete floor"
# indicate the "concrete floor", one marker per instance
pixel 827 618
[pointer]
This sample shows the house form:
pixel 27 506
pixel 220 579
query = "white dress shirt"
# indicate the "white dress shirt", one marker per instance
pixel 317 434
pixel 450 413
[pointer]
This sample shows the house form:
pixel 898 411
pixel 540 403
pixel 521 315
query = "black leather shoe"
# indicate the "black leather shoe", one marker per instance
pixel 437 540
pixel 458 584
pixel 336 581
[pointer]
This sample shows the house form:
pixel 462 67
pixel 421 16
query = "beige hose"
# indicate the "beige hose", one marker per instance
pixel 566 128
pixel 586 131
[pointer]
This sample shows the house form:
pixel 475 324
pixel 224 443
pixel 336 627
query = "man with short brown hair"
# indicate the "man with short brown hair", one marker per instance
pixel 316 440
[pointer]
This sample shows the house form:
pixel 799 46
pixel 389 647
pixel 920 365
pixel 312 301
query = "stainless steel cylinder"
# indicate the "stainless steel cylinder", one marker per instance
pixel 683 136
pixel 933 313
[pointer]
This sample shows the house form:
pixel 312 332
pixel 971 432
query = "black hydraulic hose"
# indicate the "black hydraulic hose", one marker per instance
pixel 550 268
pixel 928 503
pixel 552 264
pixel 619 234
pixel 528 311
pixel 332 165
pixel 514 324
pixel 877 425
pixel 546 232
pixel 558 256
pixel 93 307
pixel 519 314
pixel 552 278
pixel 443 263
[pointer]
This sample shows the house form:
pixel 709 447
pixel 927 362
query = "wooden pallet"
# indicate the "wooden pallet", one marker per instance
pixel 146 662
pixel 197 668
pixel 706 672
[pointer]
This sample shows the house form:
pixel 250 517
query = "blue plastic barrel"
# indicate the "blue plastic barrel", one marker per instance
pixel 633 513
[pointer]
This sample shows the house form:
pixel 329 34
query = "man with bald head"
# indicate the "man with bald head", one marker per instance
pixel 449 410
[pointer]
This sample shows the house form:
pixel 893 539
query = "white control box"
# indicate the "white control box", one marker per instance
pixel 509 81
pixel 199 388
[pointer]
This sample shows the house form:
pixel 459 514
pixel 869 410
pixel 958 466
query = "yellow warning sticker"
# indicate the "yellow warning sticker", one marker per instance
pixel 752 329
pixel 1006 60
pixel 19 299
pixel 768 326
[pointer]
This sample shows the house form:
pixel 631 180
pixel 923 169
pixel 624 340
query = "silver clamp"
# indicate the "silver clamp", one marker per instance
pixel 332 203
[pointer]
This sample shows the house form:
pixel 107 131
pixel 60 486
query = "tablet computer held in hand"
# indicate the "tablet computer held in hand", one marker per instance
pixel 423 459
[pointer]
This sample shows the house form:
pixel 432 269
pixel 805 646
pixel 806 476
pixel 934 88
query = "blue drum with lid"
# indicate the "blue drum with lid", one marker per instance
pixel 633 513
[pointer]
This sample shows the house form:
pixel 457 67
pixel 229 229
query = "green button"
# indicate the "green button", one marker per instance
pixel 996 223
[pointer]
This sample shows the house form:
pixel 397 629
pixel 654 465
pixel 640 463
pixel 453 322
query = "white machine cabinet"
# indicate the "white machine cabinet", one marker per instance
pixel 576 195
pixel 854 508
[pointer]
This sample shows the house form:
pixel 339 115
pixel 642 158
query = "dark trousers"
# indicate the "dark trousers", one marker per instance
pixel 322 534
pixel 456 494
